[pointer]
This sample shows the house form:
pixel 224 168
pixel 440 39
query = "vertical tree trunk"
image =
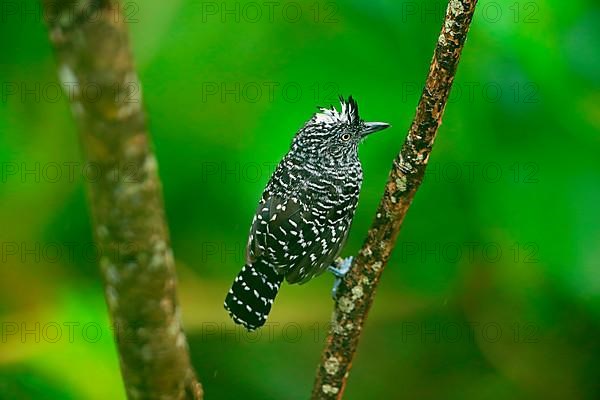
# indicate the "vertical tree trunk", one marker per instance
pixel 97 71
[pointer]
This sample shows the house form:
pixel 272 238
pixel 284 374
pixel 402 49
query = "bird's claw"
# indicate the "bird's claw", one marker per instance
pixel 339 269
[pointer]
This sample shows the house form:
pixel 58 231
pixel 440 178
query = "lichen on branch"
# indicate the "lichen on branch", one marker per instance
pixel 356 293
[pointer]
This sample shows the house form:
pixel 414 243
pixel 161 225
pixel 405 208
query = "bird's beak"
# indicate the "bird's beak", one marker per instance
pixel 372 127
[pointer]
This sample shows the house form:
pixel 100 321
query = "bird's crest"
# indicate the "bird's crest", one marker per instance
pixel 348 114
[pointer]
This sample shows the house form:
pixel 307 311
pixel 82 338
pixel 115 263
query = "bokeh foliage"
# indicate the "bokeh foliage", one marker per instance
pixel 514 170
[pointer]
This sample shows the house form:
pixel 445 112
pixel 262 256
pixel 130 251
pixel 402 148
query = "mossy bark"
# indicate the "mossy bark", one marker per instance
pixel 95 65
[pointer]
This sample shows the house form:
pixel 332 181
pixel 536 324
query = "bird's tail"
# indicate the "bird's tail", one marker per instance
pixel 250 298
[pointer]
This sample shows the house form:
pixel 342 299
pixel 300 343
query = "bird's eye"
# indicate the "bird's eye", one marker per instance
pixel 345 137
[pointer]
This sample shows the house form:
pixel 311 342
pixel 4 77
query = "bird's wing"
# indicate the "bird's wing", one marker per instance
pixel 326 233
pixel 275 225
pixel 297 239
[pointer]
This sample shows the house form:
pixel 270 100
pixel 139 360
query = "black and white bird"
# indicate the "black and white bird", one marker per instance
pixel 305 212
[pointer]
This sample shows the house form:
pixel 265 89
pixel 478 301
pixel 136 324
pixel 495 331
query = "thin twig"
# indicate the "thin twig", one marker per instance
pixel 96 68
pixel 356 293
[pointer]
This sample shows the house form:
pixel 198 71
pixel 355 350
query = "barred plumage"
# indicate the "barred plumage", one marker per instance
pixel 305 212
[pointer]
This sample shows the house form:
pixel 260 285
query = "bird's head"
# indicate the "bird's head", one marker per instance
pixel 335 134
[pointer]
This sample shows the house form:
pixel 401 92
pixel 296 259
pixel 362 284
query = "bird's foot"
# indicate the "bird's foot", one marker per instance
pixel 339 269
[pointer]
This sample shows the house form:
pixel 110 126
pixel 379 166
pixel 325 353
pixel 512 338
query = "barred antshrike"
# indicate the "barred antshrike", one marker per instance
pixel 305 212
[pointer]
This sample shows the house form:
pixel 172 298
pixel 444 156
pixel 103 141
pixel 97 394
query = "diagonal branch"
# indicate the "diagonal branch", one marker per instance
pixel 95 65
pixel 356 293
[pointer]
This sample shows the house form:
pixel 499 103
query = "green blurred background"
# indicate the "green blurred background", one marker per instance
pixel 493 290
